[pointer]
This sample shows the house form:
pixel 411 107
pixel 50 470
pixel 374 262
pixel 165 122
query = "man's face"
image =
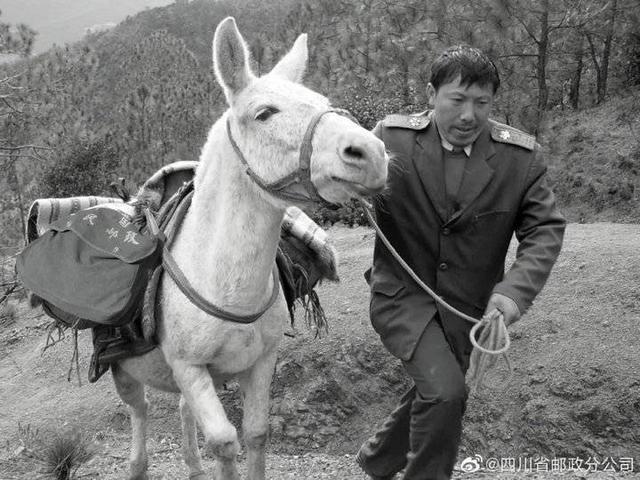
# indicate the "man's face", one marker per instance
pixel 461 112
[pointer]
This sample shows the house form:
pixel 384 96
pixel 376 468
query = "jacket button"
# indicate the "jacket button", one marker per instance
pixel 443 266
pixel 446 231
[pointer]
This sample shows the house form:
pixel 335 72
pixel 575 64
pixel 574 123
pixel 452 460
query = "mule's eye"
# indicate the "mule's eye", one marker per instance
pixel 266 112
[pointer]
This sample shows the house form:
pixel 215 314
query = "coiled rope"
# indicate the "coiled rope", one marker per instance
pixel 494 330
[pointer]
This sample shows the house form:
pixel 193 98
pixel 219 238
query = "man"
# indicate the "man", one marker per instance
pixel 459 186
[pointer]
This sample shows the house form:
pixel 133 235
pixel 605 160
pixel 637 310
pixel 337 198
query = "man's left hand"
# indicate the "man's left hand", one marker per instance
pixel 504 305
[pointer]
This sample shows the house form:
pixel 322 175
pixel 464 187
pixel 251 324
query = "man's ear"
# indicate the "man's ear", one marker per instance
pixel 431 94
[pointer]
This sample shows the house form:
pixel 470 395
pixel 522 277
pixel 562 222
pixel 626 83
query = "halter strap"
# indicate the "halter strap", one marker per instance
pixel 297 185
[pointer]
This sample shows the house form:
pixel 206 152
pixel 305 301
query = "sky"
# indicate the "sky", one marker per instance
pixel 64 21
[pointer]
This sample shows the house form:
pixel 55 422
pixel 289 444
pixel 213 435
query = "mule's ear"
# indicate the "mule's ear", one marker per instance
pixel 294 64
pixel 230 58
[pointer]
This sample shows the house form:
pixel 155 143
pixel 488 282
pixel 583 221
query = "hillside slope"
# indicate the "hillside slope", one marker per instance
pixel 146 89
pixel 594 155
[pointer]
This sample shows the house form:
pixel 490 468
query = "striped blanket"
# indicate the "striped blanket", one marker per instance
pixel 45 211
pixel 297 224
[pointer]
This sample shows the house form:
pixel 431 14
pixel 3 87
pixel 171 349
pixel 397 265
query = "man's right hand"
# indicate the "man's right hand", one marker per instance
pixel 504 305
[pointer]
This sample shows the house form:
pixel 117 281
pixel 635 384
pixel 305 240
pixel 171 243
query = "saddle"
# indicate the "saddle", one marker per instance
pixel 304 258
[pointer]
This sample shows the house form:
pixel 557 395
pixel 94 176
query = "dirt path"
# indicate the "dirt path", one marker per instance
pixel 576 390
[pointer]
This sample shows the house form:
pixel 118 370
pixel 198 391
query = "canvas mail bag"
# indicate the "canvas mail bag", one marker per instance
pixel 91 268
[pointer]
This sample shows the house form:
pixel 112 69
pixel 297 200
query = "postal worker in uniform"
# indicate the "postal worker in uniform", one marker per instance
pixel 461 186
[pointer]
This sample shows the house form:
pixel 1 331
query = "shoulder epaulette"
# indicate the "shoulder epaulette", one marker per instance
pixel 414 122
pixel 506 134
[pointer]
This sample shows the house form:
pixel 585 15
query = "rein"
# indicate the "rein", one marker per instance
pixel 495 326
pixel 177 275
pixel 297 185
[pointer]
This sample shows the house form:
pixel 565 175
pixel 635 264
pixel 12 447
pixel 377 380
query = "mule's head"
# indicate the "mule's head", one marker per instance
pixel 293 143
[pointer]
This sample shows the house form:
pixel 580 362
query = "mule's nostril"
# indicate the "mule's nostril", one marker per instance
pixel 354 152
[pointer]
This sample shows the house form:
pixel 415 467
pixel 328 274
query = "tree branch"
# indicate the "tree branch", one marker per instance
pixel 526 28
pixel 8 292
pixel 23 147
pixel 592 49
pixel 11 77
pixel 7 103
pixel 519 55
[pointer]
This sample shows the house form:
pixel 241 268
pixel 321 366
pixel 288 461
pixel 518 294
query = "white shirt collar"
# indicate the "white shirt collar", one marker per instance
pixel 447 146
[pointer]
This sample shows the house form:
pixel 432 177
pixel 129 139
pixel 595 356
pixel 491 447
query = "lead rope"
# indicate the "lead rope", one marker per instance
pixel 494 330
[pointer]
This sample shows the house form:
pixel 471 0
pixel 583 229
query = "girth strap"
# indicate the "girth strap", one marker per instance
pixel 205 305
pixel 172 224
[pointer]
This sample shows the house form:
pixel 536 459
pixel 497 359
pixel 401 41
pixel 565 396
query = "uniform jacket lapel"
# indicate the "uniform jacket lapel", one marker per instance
pixel 427 159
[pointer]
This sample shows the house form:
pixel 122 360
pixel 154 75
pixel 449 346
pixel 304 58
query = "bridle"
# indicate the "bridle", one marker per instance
pixel 297 185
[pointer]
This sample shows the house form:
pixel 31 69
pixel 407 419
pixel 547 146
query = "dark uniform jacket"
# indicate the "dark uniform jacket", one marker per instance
pixel 460 255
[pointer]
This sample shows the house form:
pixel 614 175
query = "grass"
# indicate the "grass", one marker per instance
pixel 58 455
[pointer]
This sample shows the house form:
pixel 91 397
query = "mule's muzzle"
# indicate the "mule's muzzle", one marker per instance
pixel 365 160
pixel 355 168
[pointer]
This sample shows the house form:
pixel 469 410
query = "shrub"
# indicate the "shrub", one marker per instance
pixel 80 168
pixel 370 107
pixel 350 214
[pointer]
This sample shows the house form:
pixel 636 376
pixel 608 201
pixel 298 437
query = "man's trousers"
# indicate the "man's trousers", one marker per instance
pixel 423 433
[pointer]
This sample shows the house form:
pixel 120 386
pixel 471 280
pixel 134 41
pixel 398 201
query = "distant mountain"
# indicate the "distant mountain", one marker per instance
pixel 64 21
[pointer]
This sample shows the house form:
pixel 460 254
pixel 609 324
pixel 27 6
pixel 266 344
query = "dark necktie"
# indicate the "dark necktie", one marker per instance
pixel 454 166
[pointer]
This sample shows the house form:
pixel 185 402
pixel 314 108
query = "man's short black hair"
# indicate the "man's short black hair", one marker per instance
pixel 471 64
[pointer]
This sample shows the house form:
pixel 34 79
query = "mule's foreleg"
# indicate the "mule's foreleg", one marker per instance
pixel 132 393
pixel 200 395
pixel 256 385
pixel 190 442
